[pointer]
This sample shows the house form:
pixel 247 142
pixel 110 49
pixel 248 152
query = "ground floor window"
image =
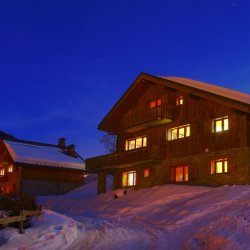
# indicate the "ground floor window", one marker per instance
pixel 147 172
pixel 181 173
pixel 219 166
pixel 129 178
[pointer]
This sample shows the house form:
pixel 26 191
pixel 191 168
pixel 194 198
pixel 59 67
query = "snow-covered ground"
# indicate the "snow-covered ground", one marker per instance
pixel 161 217
pixel 51 231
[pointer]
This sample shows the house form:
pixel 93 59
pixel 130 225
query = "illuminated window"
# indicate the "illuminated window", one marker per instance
pixel 147 172
pixel 134 143
pixel 178 132
pixel 155 103
pixel 10 169
pixel 138 142
pixel 219 166
pixel 181 173
pixel 129 179
pixel 2 172
pixel 221 124
pixel 179 101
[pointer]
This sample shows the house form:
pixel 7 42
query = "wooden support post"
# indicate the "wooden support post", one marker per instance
pixel 21 223
pixel 101 185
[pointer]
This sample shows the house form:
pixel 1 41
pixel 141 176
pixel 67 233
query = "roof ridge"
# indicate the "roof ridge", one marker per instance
pixel 210 88
pixel 31 142
pixel 198 81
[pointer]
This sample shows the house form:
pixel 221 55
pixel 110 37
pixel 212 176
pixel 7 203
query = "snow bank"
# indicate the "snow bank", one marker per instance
pixel 50 231
pixel 161 217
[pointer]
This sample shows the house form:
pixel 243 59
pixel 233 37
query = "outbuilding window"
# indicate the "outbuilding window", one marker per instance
pixel 2 172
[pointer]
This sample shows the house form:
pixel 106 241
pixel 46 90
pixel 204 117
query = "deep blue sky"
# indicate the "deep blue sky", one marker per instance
pixel 63 64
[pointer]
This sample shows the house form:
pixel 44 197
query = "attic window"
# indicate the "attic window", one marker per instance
pixel 179 101
pixel 155 103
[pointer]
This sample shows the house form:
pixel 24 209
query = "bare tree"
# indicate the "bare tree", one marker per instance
pixel 109 141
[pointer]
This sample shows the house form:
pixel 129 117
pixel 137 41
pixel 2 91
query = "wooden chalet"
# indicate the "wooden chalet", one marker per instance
pixel 38 169
pixel 176 130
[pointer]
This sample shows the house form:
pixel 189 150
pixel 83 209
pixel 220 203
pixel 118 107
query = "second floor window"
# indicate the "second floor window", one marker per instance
pixel 134 143
pixel 178 132
pixel 220 124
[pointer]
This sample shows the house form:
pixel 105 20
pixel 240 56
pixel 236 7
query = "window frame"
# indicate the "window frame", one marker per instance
pixel 224 124
pixel 175 136
pixel 179 101
pixel 143 144
pixel 2 172
pixel 155 103
pixel 224 166
pixel 125 178
pixel 147 172
pixel 184 172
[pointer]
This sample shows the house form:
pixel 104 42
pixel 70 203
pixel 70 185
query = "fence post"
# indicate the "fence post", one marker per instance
pixel 21 223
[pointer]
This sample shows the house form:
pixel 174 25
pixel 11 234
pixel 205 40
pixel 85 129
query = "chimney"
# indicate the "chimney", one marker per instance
pixel 61 142
pixel 71 150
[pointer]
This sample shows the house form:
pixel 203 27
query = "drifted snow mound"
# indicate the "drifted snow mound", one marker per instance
pixel 50 231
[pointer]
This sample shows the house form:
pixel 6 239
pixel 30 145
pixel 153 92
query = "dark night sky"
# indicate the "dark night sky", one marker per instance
pixel 63 64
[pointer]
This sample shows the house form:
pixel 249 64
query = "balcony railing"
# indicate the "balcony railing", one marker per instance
pixel 159 113
pixel 131 156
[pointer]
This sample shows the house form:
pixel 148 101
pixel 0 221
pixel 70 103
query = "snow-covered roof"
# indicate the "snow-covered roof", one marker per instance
pixel 43 155
pixel 211 88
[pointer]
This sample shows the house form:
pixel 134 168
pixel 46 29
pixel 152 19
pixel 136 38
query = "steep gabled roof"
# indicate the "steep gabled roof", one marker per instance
pixel 235 99
pixel 39 154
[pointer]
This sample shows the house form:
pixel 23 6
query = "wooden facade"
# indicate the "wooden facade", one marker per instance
pixel 196 133
pixel 37 176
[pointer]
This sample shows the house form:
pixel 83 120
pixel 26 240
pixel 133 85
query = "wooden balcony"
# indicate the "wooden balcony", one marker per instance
pixel 136 156
pixel 149 117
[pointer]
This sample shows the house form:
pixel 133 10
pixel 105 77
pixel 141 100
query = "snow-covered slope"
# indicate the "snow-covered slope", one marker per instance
pixel 162 217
